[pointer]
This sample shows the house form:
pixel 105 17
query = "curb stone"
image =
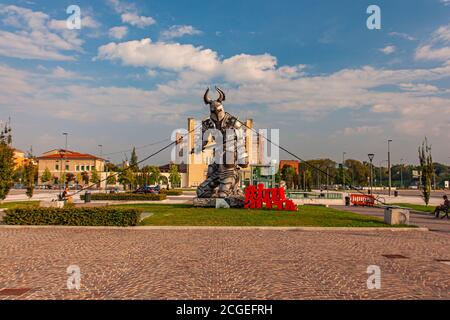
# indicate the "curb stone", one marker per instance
pixel 406 229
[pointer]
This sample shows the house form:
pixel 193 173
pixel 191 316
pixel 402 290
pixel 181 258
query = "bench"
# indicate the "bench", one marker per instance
pixel 362 200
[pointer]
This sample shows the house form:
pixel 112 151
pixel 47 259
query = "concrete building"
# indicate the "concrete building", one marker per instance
pixel 60 162
pixel 182 170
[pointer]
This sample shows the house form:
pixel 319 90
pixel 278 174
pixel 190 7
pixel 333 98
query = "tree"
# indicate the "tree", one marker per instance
pixel 174 176
pixel 134 160
pixel 111 179
pixel 6 162
pixel 426 167
pixel 30 176
pixel 70 177
pixel 155 175
pixel 308 180
pixel 85 177
pixel 357 172
pixel 46 176
pixel 127 178
pixel 95 178
pixel 288 174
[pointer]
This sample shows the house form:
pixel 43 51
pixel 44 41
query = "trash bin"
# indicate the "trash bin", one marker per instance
pixel 87 197
pixel 395 193
pixel 347 201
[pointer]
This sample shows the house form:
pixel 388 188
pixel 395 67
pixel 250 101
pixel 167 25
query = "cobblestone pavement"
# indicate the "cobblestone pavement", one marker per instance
pixel 221 263
pixel 418 219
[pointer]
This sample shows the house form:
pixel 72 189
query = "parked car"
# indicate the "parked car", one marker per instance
pixel 147 189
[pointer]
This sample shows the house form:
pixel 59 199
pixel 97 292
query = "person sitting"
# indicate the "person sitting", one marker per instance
pixel 443 207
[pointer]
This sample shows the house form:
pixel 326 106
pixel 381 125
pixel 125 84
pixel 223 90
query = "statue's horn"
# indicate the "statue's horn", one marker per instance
pixel 221 95
pixel 205 97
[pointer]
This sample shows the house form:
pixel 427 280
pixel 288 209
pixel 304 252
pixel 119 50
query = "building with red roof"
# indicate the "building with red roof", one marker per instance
pixel 69 163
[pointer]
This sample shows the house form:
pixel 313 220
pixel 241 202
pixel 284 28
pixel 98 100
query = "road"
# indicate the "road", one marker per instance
pixel 152 263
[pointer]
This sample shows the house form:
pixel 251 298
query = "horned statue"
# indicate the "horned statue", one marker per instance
pixel 223 180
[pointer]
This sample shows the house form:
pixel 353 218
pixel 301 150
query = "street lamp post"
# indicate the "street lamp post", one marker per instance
pixel 343 172
pixel 65 134
pixel 381 172
pixel 63 158
pixel 371 155
pixel 389 165
pixel 401 173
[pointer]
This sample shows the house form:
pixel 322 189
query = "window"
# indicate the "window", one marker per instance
pixel 56 166
pixel 92 167
pixel 67 167
pixel 82 168
pixel 77 168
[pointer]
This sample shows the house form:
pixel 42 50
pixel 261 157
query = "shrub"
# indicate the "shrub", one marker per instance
pixel 172 192
pixel 126 196
pixel 100 216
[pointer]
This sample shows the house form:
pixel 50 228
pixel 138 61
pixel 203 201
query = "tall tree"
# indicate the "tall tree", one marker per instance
pixel 30 176
pixel 154 175
pixel 46 176
pixel 426 167
pixel 111 178
pixel 127 178
pixel 6 161
pixel 95 178
pixel 288 175
pixel 85 177
pixel 134 160
pixel 174 176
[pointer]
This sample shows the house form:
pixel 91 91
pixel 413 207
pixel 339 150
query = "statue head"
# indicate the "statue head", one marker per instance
pixel 215 106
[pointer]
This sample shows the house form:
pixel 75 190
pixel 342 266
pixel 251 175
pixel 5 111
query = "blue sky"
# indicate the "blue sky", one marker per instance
pixel 137 69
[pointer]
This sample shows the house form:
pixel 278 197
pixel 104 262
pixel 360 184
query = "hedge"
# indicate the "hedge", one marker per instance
pixel 97 216
pixel 172 192
pixel 126 196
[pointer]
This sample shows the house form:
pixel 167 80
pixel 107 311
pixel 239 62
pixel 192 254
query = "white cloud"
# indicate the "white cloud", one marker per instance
pixel 178 31
pixel 36 37
pixel 445 2
pixel 136 20
pixel 362 130
pixel 61 73
pixel 435 48
pixel 118 32
pixel 427 52
pixel 419 87
pixel 171 56
pixel 388 49
pixel 402 35
pixel 121 7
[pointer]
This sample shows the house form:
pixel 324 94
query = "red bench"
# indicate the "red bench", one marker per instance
pixel 362 200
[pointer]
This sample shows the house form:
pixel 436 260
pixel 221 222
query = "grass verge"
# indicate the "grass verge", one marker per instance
pixel 16 204
pixel 416 207
pixel 187 215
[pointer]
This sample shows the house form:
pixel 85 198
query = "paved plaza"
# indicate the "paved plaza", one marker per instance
pixel 222 263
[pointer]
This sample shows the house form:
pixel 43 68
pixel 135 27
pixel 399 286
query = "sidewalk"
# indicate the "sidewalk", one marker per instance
pixel 418 219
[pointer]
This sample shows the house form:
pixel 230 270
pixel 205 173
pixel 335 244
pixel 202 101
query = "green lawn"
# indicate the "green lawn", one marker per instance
pixel 416 207
pixel 15 204
pixel 186 215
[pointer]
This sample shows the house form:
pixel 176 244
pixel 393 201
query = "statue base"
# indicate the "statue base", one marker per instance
pixel 233 202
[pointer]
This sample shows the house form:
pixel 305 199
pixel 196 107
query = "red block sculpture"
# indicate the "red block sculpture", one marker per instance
pixel 257 196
